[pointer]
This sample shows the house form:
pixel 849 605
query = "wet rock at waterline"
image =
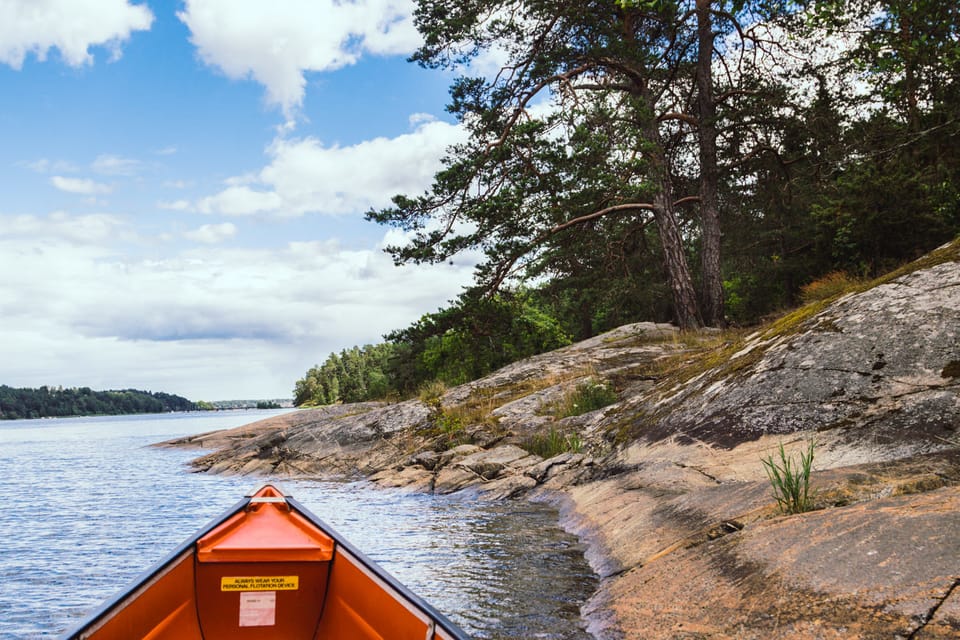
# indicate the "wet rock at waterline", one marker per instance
pixel 666 484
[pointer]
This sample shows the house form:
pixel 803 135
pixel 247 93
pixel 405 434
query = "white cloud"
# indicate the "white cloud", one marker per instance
pixel 45 165
pixel 305 176
pixel 215 322
pixel 80 186
pixel 489 62
pixel 71 26
pixel 63 227
pixel 241 201
pixel 212 233
pixel 175 205
pixel 276 43
pixel 112 165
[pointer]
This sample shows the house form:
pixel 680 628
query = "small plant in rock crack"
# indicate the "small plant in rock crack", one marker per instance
pixel 791 479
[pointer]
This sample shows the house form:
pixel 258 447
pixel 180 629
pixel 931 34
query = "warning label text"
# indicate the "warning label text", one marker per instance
pixel 259 583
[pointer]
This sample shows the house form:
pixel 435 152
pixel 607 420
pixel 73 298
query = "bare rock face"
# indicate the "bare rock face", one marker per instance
pixel 341 441
pixel 720 561
pixel 666 486
pixel 878 366
pixel 400 444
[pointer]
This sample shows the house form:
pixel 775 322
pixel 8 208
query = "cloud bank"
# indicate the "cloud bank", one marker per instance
pixel 80 303
pixel 70 26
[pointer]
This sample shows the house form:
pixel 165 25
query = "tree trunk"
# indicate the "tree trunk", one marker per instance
pixel 685 306
pixel 908 55
pixel 709 208
pixel 675 260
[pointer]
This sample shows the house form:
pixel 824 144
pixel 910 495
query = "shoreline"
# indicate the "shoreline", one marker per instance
pixel 667 489
pixel 664 538
pixel 568 518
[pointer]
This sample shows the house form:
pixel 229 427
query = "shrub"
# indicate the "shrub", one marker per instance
pixel 791 481
pixel 443 422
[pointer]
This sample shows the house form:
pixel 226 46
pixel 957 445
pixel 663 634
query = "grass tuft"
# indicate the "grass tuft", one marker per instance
pixel 790 480
pixel 586 397
pixel 553 443
pixel 829 286
pixel 431 392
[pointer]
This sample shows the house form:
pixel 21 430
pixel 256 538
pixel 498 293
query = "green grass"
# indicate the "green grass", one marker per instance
pixel 586 397
pixel 791 480
pixel 553 443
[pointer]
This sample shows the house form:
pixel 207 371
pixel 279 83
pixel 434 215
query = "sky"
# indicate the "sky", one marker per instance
pixel 183 187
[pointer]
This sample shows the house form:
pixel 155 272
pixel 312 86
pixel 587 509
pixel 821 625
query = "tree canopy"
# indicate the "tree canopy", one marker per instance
pixel 692 161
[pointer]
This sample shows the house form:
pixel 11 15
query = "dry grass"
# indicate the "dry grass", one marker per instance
pixel 832 285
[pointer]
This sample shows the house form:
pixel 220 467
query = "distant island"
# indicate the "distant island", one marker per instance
pixel 58 402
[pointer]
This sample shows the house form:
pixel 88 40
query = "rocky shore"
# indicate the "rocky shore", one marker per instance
pixel 666 485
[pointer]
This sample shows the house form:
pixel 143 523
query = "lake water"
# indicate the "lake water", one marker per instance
pixel 86 506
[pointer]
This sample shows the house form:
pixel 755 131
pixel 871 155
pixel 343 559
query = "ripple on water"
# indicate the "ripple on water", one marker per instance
pixel 88 507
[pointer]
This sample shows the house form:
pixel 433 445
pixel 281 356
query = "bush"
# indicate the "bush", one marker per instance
pixel 790 481
pixel 443 423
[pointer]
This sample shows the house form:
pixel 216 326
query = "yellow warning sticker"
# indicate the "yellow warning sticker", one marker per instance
pixel 259 583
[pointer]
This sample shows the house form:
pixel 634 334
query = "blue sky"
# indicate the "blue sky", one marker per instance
pixel 183 187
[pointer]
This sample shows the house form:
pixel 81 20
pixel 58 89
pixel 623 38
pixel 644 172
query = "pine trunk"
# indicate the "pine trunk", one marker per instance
pixel 675 264
pixel 675 259
pixel 709 208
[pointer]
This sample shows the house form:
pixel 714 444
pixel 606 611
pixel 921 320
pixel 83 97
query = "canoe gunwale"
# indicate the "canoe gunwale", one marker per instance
pixel 438 618
pixel 94 620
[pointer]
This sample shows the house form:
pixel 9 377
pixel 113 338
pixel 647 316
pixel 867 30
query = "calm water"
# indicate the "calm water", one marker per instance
pixel 87 506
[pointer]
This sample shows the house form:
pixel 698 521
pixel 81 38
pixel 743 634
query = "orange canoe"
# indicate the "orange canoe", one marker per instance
pixel 267 569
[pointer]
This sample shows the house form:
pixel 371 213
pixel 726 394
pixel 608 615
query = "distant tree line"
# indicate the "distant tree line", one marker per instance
pixel 49 402
pixel 227 405
pixel 689 161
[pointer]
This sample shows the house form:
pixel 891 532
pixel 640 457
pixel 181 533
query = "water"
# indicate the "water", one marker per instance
pixel 87 506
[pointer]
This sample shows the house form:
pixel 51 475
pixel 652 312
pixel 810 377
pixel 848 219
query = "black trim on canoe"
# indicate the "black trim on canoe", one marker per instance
pixel 438 618
pixel 89 620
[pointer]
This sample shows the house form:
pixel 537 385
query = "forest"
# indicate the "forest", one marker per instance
pixel 697 162
pixel 48 402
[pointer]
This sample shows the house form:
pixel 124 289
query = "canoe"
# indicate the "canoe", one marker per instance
pixel 266 569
